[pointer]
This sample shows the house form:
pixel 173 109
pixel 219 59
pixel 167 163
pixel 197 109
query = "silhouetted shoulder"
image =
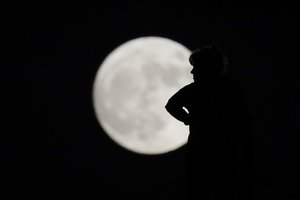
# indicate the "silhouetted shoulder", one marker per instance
pixel 184 93
pixel 188 87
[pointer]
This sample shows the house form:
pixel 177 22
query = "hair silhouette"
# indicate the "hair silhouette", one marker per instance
pixel 210 57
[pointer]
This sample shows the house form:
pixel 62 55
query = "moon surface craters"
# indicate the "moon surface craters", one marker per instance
pixel 131 88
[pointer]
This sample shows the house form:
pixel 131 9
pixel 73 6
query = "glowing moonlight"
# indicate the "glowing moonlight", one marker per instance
pixel 131 89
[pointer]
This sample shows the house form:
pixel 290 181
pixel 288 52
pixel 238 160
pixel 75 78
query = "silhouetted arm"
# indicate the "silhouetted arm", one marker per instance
pixel 175 107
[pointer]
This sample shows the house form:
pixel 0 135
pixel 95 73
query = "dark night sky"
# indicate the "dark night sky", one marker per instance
pixel 53 147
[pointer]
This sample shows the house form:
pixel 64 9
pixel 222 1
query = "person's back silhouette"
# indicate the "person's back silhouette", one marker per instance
pixel 214 109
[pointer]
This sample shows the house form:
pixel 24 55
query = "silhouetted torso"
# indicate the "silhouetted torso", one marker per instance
pixel 213 112
pixel 218 123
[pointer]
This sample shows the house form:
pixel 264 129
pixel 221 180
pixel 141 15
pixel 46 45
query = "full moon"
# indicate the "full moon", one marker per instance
pixel 131 89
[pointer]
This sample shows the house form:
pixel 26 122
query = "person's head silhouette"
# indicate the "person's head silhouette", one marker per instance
pixel 207 61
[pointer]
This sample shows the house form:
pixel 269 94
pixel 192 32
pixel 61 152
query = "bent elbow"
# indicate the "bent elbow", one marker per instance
pixel 168 107
pixel 171 107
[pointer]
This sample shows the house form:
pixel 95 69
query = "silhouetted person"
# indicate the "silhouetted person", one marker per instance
pixel 214 109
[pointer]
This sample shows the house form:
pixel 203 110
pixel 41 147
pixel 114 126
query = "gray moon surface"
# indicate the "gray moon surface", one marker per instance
pixel 131 89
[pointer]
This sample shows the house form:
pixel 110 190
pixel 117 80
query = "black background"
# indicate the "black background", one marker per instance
pixel 52 146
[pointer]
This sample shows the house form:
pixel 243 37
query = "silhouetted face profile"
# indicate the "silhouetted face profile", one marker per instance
pixel 207 62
